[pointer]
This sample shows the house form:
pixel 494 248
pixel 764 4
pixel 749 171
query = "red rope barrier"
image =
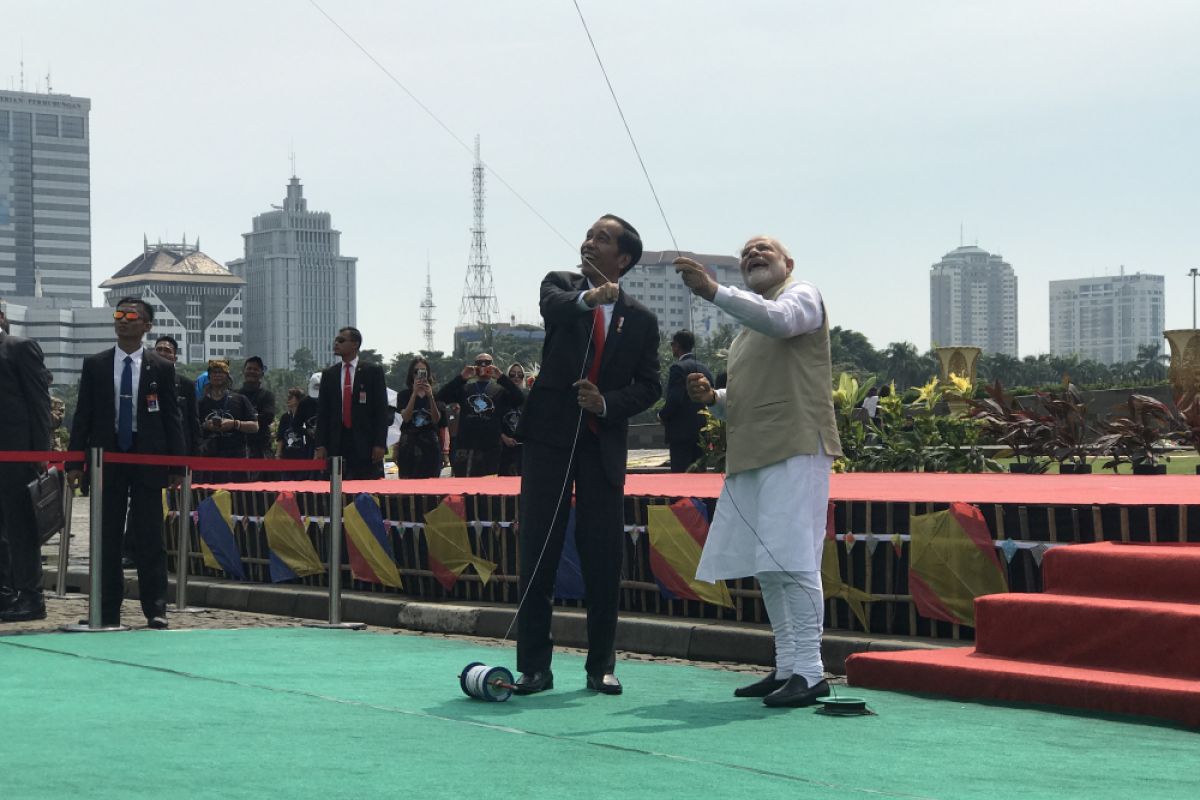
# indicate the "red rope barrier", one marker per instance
pixel 37 456
pixel 163 460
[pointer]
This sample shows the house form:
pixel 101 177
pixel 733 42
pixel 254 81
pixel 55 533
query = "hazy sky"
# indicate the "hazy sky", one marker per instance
pixel 1063 135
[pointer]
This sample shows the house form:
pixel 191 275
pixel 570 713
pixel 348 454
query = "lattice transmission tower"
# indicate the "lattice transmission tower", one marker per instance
pixel 427 307
pixel 479 305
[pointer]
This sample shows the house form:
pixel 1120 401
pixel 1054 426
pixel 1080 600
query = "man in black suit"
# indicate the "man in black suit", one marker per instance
pixel 24 425
pixel 127 404
pixel 185 393
pixel 574 430
pixel 679 414
pixel 352 410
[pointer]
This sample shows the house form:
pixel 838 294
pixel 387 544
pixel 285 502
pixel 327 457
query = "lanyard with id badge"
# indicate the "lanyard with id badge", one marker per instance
pixel 152 398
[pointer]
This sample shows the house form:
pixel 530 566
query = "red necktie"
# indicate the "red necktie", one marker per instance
pixel 593 374
pixel 346 397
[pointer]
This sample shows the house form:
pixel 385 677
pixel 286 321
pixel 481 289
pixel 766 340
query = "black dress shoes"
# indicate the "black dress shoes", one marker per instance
pixel 796 693
pixel 760 688
pixel 534 682
pixel 25 608
pixel 157 623
pixel 7 598
pixel 605 684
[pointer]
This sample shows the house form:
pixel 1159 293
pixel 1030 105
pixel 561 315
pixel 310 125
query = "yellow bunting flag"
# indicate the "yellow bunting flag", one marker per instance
pixel 449 547
pixel 677 536
pixel 833 585
pixel 287 536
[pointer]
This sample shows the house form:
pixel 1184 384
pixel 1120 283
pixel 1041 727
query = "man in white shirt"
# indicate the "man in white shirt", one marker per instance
pixel 782 439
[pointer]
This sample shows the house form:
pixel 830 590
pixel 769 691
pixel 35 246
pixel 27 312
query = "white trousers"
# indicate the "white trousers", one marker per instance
pixel 796 609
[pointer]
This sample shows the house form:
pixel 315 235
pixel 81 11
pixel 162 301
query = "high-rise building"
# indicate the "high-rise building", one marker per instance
pixel 1106 319
pixel 973 301
pixel 654 282
pixel 300 289
pixel 45 205
pixel 67 330
pixel 195 299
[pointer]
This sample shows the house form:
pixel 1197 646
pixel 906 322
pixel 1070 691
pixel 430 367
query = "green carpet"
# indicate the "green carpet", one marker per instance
pixel 311 713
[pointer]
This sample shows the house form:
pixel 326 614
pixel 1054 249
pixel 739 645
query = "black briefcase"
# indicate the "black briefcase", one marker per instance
pixel 45 491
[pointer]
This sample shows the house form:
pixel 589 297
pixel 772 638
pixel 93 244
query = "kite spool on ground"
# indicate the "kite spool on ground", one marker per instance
pixel 833 706
pixel 494 684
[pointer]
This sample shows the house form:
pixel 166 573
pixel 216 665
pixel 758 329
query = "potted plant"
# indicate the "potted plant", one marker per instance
pixel 1189 422
pixel 1134 438
pixel 1068 440
pixel 1026 433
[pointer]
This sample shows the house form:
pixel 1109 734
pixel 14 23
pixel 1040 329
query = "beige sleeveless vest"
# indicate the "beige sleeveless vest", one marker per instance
pixel 779 400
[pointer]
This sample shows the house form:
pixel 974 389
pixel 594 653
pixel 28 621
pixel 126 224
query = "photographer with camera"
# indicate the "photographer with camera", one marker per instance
pixel 419 452
pixel 485 395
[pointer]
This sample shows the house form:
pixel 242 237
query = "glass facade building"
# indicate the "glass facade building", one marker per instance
pixel 45 196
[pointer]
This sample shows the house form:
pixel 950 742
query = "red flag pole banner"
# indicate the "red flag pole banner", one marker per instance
pixel 952 561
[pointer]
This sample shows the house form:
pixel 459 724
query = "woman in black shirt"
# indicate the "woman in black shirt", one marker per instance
pixel 419 452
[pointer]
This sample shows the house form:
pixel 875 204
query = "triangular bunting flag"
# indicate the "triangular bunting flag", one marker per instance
pixel 449 548
pixel 833 586
pixel 1009 548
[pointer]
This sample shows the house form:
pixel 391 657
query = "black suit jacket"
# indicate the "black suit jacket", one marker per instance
pixel 628 371
pixel 185 393
pixel 161 431
pixel 24 395
pixel 369 412
pixel 679 414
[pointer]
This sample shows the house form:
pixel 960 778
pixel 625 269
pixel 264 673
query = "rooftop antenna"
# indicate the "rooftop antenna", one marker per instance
pixel 292 157
pixel 960 234
pixel 49 88
pixel 22 65
pixel 479 305
pixel 427 308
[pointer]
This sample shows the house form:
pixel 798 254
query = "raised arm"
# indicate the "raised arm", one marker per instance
pixel 797 310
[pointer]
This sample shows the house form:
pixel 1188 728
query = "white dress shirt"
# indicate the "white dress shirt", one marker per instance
pixel 118 368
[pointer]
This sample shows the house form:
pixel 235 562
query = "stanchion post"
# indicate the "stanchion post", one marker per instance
pixel 64 538
pixel 183 547
pixel 95 621
pixel 335 551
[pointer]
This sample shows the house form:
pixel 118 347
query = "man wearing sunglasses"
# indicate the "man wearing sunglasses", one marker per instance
pixel 484 395
pixel 352 410
pixel 127 404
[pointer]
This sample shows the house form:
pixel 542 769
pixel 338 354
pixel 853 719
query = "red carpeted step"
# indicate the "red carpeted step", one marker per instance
pixel 1168 572
pixel 1093 632
pixel 960 672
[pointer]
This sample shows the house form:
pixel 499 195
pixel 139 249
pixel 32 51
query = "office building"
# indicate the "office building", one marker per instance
pixel 655 283
pixel 45 201
pixel 300 289
pixel 195 299
pixel 1106 319
pixel 973 301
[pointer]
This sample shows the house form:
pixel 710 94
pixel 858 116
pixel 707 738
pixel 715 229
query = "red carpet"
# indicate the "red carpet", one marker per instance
pixel 1117 630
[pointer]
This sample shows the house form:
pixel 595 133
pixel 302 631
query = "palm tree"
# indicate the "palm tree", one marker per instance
pixel 904 364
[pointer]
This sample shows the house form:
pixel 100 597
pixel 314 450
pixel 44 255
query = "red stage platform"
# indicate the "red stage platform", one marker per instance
pixel 1114 631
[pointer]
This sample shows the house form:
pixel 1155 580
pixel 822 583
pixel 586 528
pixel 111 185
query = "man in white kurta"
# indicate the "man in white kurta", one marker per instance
pixel 782 438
